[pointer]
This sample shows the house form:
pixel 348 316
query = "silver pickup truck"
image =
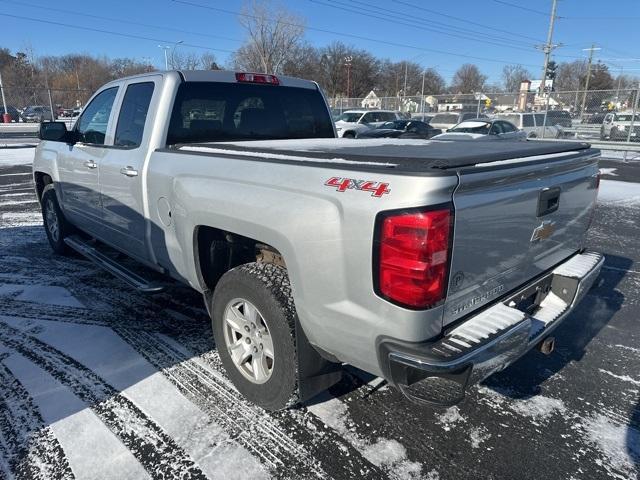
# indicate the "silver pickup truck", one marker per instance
pixel 430 264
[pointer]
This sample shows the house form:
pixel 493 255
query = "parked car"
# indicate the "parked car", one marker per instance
pixel 312 251
pixel 595 119
pixel 559 117
pixel 423 117
pixel 37 113
pixel 401 129
pixel 446 120
pixel 13 113
pixel 483 129
pixel 616 126
pixel 532 124
pixel 352 122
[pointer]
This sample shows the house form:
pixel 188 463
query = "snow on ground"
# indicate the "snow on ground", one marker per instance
pixel 622 193
pixel 16 156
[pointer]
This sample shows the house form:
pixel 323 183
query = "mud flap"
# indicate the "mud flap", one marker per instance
pixel 315 373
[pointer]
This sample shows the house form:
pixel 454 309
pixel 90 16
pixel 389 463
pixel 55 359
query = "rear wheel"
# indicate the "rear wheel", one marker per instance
pixel 532 135
pixel 349 135
pixel 56 226
pixel 253 319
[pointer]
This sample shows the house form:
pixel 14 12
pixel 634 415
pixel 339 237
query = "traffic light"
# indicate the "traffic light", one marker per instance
pixel 551 70
pixel 487 102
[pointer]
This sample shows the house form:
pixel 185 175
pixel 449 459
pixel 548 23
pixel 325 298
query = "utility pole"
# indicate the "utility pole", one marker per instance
pixel 422 95
pixel 586 83
pixel 347 63
pixel 166 58
pixel 548 47
pixel 4 101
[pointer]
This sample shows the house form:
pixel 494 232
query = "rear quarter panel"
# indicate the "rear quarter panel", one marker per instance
pixel 325 237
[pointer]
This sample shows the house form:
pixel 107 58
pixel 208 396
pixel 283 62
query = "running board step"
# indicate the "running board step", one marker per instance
pixel 114 268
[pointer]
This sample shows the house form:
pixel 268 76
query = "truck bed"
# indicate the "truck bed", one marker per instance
pixel 430 157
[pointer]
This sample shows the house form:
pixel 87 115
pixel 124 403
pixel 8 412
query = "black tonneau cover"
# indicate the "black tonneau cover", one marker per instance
pixel 410 156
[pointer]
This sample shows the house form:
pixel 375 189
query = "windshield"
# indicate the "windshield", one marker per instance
pixel 472 127
pixel 349 117
pixel 215 112
pixel 445 118
pixel 627 118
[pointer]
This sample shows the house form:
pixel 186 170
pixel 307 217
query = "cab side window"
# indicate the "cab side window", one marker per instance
pixel 133 114
pixel 92 124
pixel 527 121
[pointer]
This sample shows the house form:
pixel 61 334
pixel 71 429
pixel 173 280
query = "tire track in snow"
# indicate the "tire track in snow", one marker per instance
pixel 153 448
pixel 275 438
pixel 28 448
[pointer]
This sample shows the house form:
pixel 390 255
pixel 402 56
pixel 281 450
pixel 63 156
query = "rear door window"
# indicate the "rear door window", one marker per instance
pixel 133 114
pixel 527 121
pixel 217 111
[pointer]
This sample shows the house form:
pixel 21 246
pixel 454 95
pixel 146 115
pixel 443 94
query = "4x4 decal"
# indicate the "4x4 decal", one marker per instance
pixel 377 189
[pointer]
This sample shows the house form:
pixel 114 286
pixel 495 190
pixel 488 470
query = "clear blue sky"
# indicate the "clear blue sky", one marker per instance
pixel 517 26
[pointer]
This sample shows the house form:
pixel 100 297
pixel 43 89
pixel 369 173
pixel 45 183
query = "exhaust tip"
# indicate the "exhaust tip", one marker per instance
pixel 547 345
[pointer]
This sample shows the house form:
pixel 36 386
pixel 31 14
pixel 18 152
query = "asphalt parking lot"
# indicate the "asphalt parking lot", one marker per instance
pixel 98 381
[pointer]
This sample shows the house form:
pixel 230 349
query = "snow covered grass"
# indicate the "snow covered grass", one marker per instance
pixel 16 156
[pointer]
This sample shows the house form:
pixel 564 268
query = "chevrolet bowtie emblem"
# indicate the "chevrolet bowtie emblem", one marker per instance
pixel 544 230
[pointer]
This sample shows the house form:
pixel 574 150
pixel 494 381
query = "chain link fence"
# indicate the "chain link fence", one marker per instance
pixel 606 115
pixel 26 104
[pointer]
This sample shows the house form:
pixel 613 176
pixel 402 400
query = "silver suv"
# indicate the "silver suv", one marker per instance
pixel 533 124
pixel 616 125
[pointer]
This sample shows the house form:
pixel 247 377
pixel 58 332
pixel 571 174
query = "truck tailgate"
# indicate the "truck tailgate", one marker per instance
pixel 514 221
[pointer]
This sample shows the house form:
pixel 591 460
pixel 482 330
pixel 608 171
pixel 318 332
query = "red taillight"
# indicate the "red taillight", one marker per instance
pixel 257 78
pixel 413 259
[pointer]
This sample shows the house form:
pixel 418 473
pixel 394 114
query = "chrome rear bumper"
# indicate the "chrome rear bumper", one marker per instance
pixel 439 372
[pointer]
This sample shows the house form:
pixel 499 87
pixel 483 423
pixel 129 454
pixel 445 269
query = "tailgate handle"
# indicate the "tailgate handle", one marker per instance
pixel 548 201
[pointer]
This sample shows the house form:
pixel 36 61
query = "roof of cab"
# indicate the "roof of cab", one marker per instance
pixel 226 76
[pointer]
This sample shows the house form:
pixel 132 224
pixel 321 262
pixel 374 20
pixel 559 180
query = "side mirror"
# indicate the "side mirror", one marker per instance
pixel 55 132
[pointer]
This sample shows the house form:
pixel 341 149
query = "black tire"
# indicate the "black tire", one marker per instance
pixel 532 135
pixel 613 134
pixel 349 135
pixel 51 211
pixel 267 287
pixel 602 135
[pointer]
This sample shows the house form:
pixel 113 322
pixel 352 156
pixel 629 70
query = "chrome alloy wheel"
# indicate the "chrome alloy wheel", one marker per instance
pixel 248 340
pixel 53 225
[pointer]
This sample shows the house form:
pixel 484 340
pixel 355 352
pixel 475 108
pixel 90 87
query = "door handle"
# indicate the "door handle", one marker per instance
pixel 129 171
pixel 90 164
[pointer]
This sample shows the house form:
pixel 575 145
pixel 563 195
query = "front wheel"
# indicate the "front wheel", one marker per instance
pixel 55 224
pixel 349 135
pixel 254 319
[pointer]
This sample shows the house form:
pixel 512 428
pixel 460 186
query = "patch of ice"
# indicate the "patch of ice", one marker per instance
pixel 624 378
pixel 389 454
pixel 450 418
pixel 538 406
pixel 17 156
pixel 478 435
pixel 620 444
pixel 609 171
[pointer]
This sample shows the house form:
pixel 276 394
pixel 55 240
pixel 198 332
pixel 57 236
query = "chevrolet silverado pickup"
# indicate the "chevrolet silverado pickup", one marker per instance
pixel 432 264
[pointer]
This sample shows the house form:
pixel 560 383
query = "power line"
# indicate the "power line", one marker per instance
pixel 350 35
pixel 427 21
pixel 526 9
pixel 397 22
pixel 464 20
pixel 119 20
pixel 109 32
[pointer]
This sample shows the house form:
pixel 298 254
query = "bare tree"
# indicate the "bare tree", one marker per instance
pixel 468 79
pixel 570 75
pixel 513 76
pixel 273 34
